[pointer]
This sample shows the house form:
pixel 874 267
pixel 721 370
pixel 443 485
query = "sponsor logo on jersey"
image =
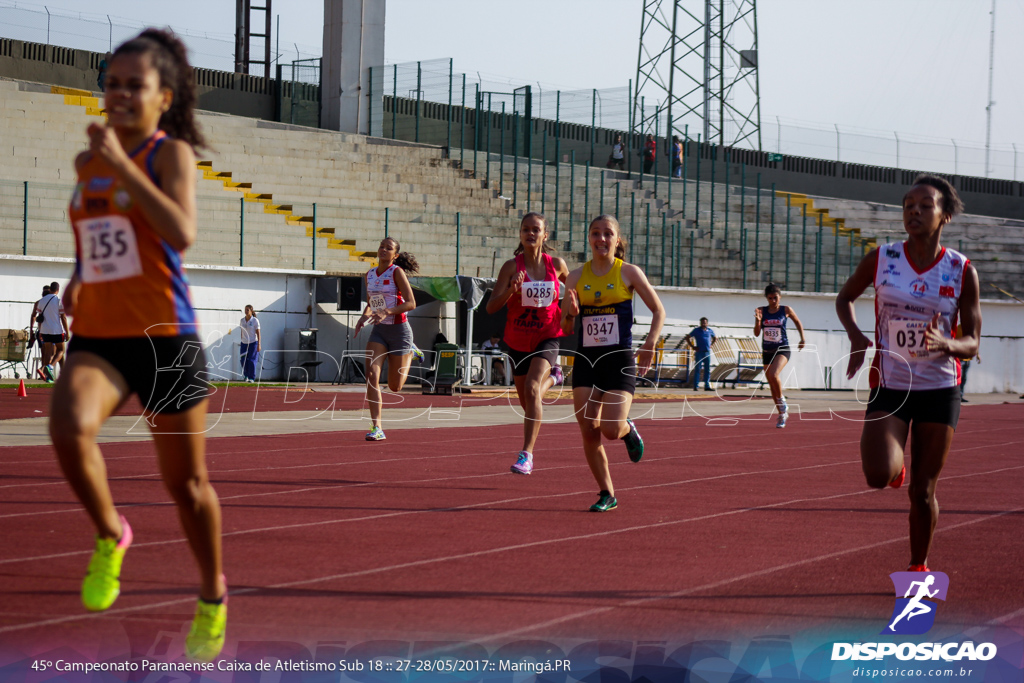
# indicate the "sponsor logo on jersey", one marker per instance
pixel 96 204
pixel 892 253
pixel 100 183
pixel 122 199
pixel 916 309
pixel 946 291
pixel 918 288
pixel 945 277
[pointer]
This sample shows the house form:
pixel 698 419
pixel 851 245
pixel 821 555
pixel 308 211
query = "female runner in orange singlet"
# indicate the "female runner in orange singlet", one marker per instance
pixel 133 213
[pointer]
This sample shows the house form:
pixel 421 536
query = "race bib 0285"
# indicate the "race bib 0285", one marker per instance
pixel 539 294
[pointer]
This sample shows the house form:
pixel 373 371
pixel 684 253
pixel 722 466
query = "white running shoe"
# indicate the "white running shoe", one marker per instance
pixel 781 422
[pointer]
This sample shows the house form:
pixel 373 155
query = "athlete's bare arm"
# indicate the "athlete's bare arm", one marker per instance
pixel 409 303
pixel 799 325
pixel 637 281
pixel 966 345
pixel 169 208
pixel 503 287
pixel 861 279
pixel 571 302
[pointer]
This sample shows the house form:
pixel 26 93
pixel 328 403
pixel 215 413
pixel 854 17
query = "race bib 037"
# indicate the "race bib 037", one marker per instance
pixel 906 338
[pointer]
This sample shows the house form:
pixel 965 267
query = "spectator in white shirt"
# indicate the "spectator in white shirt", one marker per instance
pixel 251 347
pixel 53 330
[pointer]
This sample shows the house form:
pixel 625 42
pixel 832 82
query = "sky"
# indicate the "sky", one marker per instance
pixel 916 67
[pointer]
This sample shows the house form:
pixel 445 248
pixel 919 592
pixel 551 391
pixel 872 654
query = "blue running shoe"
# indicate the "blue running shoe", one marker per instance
pixel 375 434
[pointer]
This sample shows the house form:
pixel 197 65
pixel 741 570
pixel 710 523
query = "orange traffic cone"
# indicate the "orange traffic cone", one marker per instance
pixel 21 390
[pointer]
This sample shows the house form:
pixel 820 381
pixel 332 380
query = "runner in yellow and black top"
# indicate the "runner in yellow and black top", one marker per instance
pixel 134 214
pixel 604 370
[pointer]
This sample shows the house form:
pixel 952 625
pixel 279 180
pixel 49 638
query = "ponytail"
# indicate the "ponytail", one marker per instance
pixel 170 59
pixel 404 259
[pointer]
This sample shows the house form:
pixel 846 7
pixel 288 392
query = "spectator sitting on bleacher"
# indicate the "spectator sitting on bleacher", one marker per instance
pixel 705 337
pixel 497 363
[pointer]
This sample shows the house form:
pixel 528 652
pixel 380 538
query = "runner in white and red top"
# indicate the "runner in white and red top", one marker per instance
pixel 388 298
pixel 922 290
pixel 531 285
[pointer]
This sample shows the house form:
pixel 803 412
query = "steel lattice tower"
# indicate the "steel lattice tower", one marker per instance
pixel 697 67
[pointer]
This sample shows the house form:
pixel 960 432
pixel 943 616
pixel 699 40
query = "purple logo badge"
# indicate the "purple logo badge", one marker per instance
pixel 915 608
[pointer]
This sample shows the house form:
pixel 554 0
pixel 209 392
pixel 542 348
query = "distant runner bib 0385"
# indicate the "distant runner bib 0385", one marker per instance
pixel 906 299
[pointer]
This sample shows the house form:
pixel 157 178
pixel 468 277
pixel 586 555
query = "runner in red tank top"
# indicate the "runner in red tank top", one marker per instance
pixel 531 286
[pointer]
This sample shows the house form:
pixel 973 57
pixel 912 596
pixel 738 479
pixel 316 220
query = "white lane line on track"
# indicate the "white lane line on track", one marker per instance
pixel 520 499
pixel 534 544
pixel 403 513
pixel 75 505
pixel 998 621
pixel 810 431
pixel 153 475
pixel 724 582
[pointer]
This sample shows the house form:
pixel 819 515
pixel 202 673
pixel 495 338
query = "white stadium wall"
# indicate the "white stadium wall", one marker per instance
pixel 281 298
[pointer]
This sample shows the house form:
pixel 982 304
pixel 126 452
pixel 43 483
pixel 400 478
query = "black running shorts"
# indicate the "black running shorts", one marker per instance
pixel 941 406
pixel 521 360
pixel 608 370
pixel 168 374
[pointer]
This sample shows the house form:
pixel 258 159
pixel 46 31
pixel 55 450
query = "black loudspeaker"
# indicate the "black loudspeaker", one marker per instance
pixel 350 293
pixel 326 290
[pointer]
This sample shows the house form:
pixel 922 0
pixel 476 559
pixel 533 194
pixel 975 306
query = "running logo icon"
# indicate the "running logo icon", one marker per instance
pixel 915 608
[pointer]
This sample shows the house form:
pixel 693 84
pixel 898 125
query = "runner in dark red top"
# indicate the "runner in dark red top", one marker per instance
pixel 531 286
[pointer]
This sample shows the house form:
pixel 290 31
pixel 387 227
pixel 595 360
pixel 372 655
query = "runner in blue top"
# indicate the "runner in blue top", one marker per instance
pixel 705 337
pixel 770 323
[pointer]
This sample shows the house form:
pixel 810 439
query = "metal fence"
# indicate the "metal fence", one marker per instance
pixel 102 33
pixel 416 100
pixel 678 244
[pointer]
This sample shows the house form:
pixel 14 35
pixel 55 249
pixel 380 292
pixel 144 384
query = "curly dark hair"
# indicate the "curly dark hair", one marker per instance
pixel 404 259
pixel 952 205
pixel 169 57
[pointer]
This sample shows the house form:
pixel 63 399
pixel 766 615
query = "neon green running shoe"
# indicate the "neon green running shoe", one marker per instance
pixel 101 586
pixel 205 639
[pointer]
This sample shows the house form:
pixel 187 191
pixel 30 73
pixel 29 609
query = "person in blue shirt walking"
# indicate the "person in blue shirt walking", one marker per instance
pixel 705 337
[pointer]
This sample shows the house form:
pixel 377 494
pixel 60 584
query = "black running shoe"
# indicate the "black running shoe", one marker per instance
pixel 634 444
pixel 605 503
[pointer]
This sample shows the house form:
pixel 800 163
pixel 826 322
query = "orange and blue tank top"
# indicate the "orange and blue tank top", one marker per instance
pixel 606 309
pixel 133 281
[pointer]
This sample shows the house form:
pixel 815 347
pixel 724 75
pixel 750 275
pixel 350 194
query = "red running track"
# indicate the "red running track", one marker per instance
pixel 720 531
